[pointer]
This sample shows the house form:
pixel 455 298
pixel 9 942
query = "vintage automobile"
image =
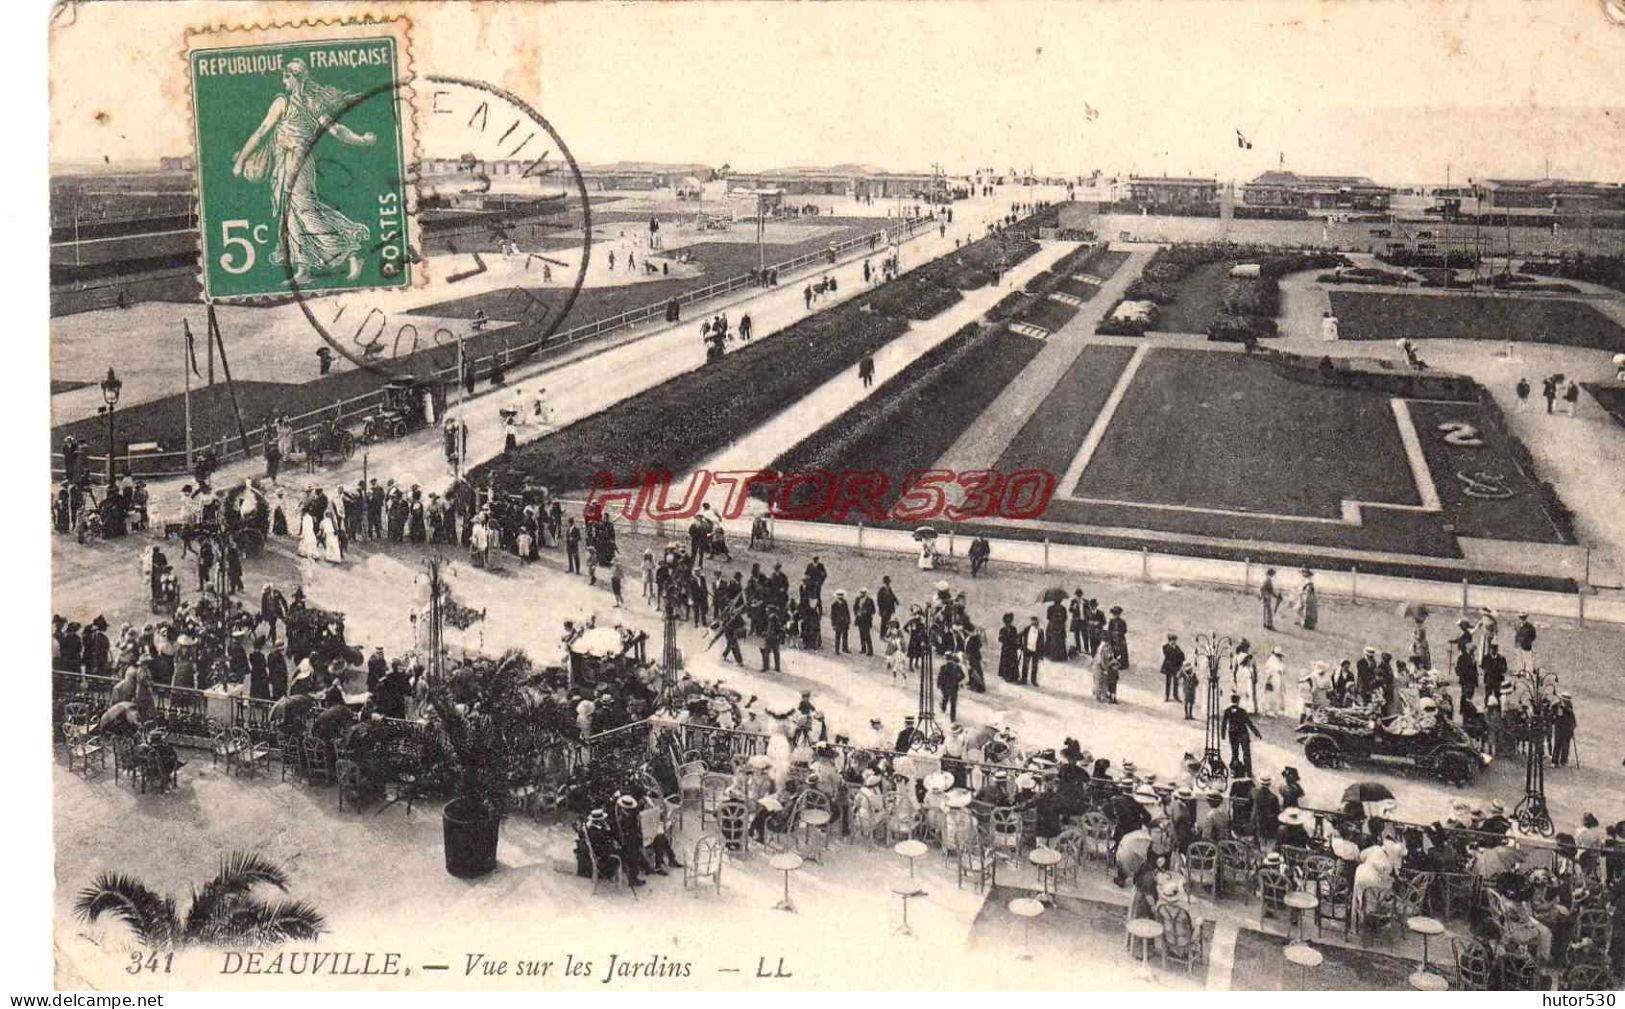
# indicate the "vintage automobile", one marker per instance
pixel 1334 737
pixel 405 408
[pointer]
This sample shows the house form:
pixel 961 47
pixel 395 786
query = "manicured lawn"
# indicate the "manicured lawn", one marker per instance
pixel 1198 301
pixel 1456 468
pixel 679 422
pixel 1227 432
pixel 1367 315
pixel 1051 436
pixel 1078 289
pixel 1049 313
pixel 915 417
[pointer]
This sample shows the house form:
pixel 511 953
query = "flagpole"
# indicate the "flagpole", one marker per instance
pixel 186 370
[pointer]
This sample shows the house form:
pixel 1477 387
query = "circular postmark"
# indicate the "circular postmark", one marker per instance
pixel 499 198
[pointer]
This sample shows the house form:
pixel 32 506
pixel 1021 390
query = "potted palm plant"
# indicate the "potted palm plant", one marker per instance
pixel 493 741
pixel 223 912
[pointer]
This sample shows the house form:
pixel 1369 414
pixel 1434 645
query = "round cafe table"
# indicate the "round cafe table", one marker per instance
pixel 1300 903
pixel 1305 956
pixel 812 819
pixel 1425 979
pixel 1142 935
pixel 911 850
pixel 786 863
pixel 1026 909
pixel 908 890
pixel 1046 859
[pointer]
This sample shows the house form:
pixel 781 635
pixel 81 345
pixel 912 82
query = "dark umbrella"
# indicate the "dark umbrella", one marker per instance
pixel 1052 595
pixel 1367 791
pixel 1415 611
pixel 925 533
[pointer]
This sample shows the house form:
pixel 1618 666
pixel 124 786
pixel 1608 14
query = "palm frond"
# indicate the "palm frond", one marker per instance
pixel 239 873
pixel 266 924
pixel 151 917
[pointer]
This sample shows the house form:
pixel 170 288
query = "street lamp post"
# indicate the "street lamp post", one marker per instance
pixel 1532 814
pixel 111 387
pixel 1212 770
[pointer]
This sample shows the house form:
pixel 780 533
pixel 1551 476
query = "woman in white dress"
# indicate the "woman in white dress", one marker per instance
pixel 308 547
pixel 330 536
pixel 1272 701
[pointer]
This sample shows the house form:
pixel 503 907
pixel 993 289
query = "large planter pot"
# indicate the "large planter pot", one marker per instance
pixel 470 837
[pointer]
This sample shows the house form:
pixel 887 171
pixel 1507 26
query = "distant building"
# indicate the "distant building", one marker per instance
pixel 856 181
pixel 643 175
pixel 1174 191
pixel 180 164
pixel 1550 194
pixel 1316 192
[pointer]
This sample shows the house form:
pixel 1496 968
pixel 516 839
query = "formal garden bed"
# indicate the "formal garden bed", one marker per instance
pixel 1609 271
pixel 682 421
pixel 1370 315
pixel 1047 313
pixel 917 414
pixel 1195 292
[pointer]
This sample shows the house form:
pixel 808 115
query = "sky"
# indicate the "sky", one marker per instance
pixel 1400 91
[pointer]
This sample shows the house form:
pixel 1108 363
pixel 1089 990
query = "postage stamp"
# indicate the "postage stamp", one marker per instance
pixel 302 142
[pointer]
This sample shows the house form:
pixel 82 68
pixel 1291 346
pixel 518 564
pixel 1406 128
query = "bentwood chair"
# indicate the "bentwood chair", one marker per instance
pixel 289 756
pixel 250 756
pixel 733 820
pixel 1181 943
pixel 1333 892
pixel 704 863
pixel 84 749
pixel 318 760
pixel 352 787
pixel 1521 972
pixel 1202 866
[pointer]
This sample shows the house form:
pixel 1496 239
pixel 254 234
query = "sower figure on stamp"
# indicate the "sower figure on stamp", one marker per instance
pixel 317 234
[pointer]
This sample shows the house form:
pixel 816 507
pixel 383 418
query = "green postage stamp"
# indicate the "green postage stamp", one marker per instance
pixel 304 146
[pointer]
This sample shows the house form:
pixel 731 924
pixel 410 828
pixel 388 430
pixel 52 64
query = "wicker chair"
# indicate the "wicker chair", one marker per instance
pixel 1097 834
pixel 221 746
pixel 1378 912
pixel 85 749
pixel 1592 935
pixel 352 787
pixel 1521 972
pixel 705 862
pixel 1472 964
pixel 1273 886
pixel 733 820
pixel 289 756
pixel 123 748
pixel 812 820
pixel 1334 893
pixel 151 769
pixel 1181 943
pixel 249 755
pixel 1070 844
pixel 1238 862
pixel 1202 866
pixel 979 864
pixel 1454 894
pixel 1412 894
pixel 318 759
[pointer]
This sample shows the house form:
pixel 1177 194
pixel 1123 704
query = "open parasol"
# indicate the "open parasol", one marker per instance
pixel 1053 594
pixel 1414 611
pixel 925 533
pixel 1367 791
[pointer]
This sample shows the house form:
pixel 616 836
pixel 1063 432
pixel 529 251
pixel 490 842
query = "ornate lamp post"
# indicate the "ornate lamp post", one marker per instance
pixel 1532 815
pixel 926 730
pixel 1215 648
pixel 111 387
pixel 670 658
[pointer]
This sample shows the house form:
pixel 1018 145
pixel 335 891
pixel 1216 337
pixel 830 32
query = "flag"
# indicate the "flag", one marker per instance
pixel 1243 142
pixel 191 347
pixel 1280 162
pixel 1090 112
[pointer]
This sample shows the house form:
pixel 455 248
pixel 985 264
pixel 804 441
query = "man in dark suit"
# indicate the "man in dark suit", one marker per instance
pixel 905 738
pixel 772 638
pixel 863 614
pixel 949 676
pixel 1173 659
pixel 273 610
pixel 572 547
pixel 1238 727
pixel 1032 649
pixel 840 621
pixel 885 602
pixel 375 511
pixel 815 576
